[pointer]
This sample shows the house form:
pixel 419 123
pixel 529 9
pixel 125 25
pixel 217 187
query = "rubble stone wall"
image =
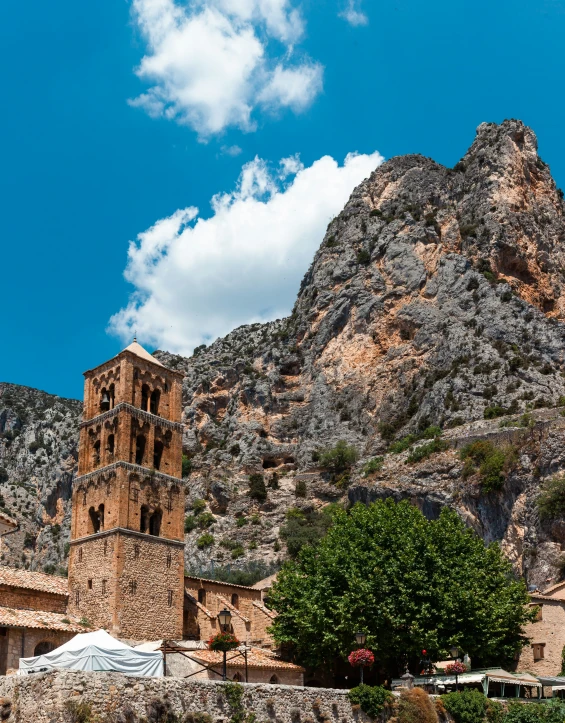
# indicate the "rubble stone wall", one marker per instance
pixel 111 693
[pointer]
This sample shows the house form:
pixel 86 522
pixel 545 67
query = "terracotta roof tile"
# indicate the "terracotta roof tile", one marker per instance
pixel 33 581
pixel 218 582
pixel 10 617
pixel 270 613
pixel 256 658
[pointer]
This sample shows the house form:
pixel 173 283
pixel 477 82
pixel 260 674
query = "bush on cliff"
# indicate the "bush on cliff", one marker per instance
pixel 409 582
pixel 491 462
pixel 551 502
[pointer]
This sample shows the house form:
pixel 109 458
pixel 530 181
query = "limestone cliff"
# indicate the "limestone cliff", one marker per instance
pixel 437 297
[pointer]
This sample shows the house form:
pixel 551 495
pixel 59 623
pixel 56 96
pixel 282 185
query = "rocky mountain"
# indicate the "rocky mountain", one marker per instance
pixel 431 318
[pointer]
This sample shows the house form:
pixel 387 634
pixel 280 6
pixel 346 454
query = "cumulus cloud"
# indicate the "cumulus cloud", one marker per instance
pixel 209 63
pixel 197 278
pixel 353 14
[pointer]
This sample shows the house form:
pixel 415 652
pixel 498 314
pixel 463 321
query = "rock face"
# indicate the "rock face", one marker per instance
pixel 437 297
pixel 38 456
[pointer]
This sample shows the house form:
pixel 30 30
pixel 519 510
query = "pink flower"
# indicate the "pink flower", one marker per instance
pixel 455 668
pixel 362 657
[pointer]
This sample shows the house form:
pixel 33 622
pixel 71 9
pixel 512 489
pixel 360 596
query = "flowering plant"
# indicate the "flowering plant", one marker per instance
pixel 362 657
pixel 223 641
pixel 456 668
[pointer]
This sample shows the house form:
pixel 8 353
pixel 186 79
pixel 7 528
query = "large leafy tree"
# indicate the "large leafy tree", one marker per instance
pixel 410 583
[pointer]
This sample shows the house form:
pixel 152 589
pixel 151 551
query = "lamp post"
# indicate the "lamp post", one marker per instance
pixel 360 638
pixel 224 618
pixel 454 652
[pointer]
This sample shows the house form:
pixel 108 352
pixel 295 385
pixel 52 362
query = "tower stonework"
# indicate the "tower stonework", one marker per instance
pixel 126 566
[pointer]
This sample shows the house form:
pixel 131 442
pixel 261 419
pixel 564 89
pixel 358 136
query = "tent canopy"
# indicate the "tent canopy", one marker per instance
pixel 96 651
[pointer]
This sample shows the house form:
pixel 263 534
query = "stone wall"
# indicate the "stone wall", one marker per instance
pixel 12 597
pixel 546 637
pixel 22 644
pixel 110 693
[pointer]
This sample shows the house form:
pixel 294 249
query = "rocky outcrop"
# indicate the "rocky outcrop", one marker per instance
pixel 38 458
pixel 437 297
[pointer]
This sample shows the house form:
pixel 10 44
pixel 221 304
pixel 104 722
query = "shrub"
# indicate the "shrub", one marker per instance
pixel 493 463
pixel 304 528
pixel 198 506
pixel 494 411
pixel 467 706
pixel 363 257
pixel 372 699
pixel 257 489
pixel 49 569
pixel 274 481
pixel 237 551
pixel 186 465
pixel 78 712
pixel 551 501
pixel 415 706
pixel 373 465
pixel 241 521
pixel 189 523
pixel 205 540
pixel 205 520
pixel 300 488
pixel 426 450
pixel 339 458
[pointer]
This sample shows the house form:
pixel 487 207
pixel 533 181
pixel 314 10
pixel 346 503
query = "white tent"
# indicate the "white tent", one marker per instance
pixel 96 651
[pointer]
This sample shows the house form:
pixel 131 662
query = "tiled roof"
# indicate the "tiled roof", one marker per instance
pixel 10 617
pixel 33 581
pixel 270 613
pixel 142 353
pixel 256 658
pixel 219 582
pixel 233 609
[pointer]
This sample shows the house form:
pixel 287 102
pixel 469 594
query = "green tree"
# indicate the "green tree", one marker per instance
pixel 257 489
pixel 339 458
pixel 408 582
pixel 304 527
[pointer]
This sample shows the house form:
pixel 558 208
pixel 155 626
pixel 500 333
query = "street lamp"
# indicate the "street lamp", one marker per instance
pixel 360 638
pixel 224 618
pixel 454 650
pixel 455 653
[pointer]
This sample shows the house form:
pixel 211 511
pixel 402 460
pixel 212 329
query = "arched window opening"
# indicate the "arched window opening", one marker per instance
pixel 158 454
pixel 140 442
pixel 144 519
pixel 94 521
pixel 96 453
pixel 144 397
pixel 104 400
pixel 237 678
pixel 43 648
pixel 101 517
pixel 202 596
pixel 274 680
pixel 111 394
pixel 155 523
pixel 110 447
pixel 235 600
pixel 155 397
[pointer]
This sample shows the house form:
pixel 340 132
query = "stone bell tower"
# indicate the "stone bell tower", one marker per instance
pixel 126 567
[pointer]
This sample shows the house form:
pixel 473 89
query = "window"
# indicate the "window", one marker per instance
pixel 144 397
pixel 132 587
pixel 202 596
pixel 111 392
pixel 170 598
pixel 140 442
pixel 169 560
pixel 80 554
pixel 157 454
pixel 539 651
pixel 96 453
pixel 84 499
pixel 103 587
pixel 135 552
pixel 101 517
pixel 77 597
pixel 274 680
pixel 235 600
pixel 104 400
pixel 155 397
pixel 89 584
pixel 95 522
pixel 155 523
pixel 135 494
pixel 110 447
pixel 144 519
pixel 43 648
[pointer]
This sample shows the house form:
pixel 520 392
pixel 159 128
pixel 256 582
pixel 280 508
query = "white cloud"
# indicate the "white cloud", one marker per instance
pixel 209 64
pixel 353 14
pixel 231 150
pixel 197 278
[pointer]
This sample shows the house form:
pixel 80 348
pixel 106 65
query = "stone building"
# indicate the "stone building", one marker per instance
pixel 126 563
pixel 543 654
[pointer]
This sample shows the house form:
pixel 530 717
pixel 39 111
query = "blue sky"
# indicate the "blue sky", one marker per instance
pixel 120 119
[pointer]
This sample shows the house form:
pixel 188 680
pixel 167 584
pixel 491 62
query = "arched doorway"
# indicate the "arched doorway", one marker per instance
pixel 43 648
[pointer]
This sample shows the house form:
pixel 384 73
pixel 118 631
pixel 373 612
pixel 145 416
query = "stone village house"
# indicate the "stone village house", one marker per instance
pixel 543 655
pixel 126 564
